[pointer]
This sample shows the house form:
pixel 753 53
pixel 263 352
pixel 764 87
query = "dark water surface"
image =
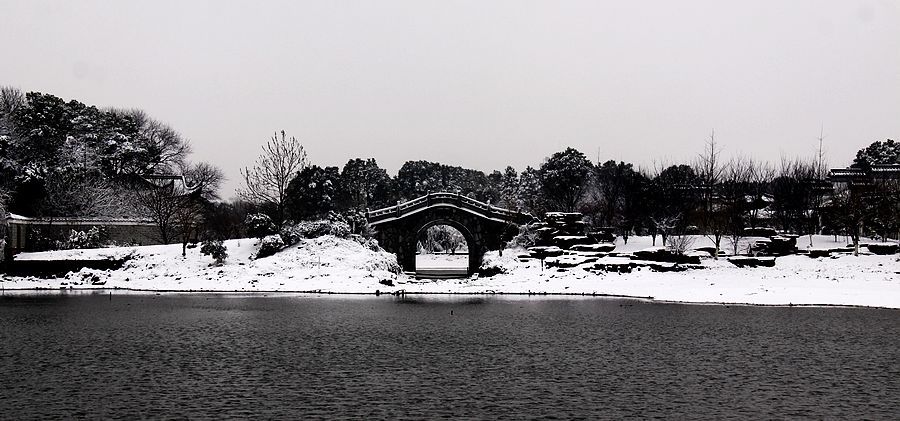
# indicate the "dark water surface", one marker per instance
pixel 227 356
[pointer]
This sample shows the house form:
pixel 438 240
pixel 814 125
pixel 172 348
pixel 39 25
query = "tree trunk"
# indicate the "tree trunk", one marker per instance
pixel 5 250
pixel 718 242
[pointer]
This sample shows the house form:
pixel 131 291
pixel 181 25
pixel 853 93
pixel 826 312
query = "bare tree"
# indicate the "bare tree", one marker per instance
pixel 850 210
pixel 761 176
pixel 818 187
pixel 664 225
pixel 267 181
pixel 204 177
pixel 680 243
pixel 171 207
pixel 167 147
pixel 91 196
pixel 710 170
pixel 188 217
pixel 734 191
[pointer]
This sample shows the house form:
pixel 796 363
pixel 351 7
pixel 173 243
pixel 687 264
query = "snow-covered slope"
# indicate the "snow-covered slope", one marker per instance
pixel 324 263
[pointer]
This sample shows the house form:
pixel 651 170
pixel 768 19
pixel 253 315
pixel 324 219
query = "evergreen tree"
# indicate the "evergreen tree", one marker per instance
pixel 564 177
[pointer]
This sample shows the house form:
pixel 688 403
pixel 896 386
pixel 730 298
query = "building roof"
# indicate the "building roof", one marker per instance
pixel 177 182
pixel 878 171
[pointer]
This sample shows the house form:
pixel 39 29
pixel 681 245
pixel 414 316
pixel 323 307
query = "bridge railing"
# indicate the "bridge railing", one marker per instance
pixel 429 199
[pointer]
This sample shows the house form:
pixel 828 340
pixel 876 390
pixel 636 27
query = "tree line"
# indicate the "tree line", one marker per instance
pixel 66 158
pixel 723 199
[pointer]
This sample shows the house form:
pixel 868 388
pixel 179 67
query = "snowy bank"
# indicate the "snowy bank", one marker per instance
pixel 330 264
pixel 326 263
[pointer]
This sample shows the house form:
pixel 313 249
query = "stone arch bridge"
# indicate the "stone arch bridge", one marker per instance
pixel 484 227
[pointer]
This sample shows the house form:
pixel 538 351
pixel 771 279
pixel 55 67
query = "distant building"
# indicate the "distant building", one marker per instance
pixel 851 177
pixel 29 234
pixel 36 233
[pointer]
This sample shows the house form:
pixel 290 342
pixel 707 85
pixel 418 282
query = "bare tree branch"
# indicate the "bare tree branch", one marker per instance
pixel 267 181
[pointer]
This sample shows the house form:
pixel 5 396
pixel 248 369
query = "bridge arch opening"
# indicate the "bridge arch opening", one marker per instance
pixel 442 250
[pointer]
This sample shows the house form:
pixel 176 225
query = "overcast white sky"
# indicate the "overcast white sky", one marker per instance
pixel 482 84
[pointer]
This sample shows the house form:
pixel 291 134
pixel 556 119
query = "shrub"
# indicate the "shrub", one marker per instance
pixel 356 220
pixel 269 245
pixel 259 225
pixel 90 239
pixel 216 249
pixel 679 244
pixel 313 229
pixel 527 237
pixel 491 265
pixel 369 243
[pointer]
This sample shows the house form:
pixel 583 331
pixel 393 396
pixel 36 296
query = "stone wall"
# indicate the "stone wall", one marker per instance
pixel 26 234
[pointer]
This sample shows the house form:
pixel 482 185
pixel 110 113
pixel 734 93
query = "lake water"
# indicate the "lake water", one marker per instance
pixel 290 356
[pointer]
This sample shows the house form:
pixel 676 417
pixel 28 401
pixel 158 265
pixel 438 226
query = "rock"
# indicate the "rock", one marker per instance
pixel 817 253
pixel 778 245
pixel 563 217
pixel 567 241
pixel 760 232
pixel 569 261
pixel 883 248
pixel 602 235
pixel 602 247
pixel 597 254
pixel 622 265
pixel 542 252
pixel 661 254
pixel 744 261
pixel 710 250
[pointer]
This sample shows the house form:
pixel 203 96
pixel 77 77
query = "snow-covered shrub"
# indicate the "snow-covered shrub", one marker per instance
pixel 90 239
pixel 357 221
pixel 216 249
pixel 527 237
pixel 259 225
pixel 313 229
pixel 681 243
pixel 491 265
pixel 269 245
pixel 369 243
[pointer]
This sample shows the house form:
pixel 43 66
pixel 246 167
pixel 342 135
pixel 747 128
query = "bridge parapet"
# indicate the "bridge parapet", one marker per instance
pixel 445 198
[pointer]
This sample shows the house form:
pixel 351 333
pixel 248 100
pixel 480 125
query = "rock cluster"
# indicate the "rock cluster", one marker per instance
pixel 562 243
pixel 776 245
pixel 883 248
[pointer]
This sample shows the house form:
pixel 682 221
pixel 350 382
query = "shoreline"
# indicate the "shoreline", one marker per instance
pixel 334 266
pixel 265 293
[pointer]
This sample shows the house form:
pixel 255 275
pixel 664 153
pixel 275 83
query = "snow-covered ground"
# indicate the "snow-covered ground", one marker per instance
pixel 442 261
pixel 329 264
pixel 326 263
